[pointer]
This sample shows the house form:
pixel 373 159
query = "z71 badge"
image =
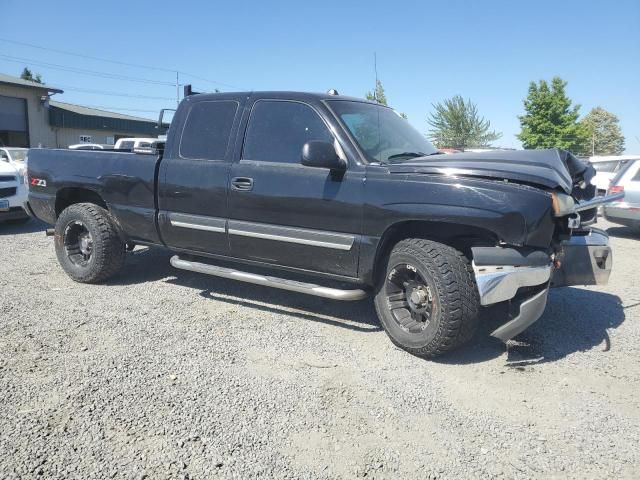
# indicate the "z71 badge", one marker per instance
pixel 38 182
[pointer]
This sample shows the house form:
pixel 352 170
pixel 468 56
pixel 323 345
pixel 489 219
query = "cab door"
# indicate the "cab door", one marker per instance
pixel 284 213
pixel 194 175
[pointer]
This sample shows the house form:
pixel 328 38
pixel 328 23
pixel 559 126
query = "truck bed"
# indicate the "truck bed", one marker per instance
pixel 124 180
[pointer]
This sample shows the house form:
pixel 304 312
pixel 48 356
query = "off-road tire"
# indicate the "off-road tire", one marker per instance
pixel 108 255
pixel 456 303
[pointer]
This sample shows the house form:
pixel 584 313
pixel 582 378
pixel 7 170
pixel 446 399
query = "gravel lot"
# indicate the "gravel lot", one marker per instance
pixel 168 374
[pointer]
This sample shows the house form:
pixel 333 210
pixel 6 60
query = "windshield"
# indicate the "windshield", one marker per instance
pixel 17 155
pixel 382 134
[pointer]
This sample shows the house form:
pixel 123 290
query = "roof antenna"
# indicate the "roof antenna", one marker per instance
pixel 375 69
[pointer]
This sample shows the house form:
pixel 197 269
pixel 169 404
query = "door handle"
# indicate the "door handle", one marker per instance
pixel 242 184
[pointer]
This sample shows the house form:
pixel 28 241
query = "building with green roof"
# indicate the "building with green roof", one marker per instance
pixel 29 117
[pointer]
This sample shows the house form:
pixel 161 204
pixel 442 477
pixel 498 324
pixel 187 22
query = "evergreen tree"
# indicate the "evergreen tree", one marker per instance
pixel 27 75
pixel 378 94
pixel 455 123
pixel 550 120
pixel 603 129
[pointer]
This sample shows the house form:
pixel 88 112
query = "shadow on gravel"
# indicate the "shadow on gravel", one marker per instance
pixel 143 265
pixel 575 320
pixel 348 315
pixel 31 226
pixel 152 264
pixel 624 232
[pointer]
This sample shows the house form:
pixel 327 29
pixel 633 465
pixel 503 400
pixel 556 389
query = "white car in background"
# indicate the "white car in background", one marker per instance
pixel 627 210
pixel 14 156
pixel 13 189
pixel 86 146
pixel 134 143
pixel 607 166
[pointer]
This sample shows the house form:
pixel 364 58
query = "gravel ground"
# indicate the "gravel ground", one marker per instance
pixel 167 374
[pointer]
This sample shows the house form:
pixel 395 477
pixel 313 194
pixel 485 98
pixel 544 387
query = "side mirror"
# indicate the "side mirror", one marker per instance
pixel 322 155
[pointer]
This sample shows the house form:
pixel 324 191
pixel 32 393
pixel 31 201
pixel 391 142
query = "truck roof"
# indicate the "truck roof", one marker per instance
pixel 284 95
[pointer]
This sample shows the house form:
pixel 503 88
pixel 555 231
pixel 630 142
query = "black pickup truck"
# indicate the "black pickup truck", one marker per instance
pixel 335 197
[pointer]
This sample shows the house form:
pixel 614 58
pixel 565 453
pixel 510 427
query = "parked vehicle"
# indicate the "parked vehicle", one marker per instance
pixel 86 146
pixel 344 199
pixel 14 155
pixel 135 143
pixel 627 210
pixel 13 191
pixel 607 166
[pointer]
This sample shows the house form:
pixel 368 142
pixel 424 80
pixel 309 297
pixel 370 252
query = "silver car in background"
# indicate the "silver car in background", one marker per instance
pixel 627 211
pixel 607 166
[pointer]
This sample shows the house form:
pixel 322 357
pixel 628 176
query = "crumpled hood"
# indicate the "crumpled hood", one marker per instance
pixel 551 168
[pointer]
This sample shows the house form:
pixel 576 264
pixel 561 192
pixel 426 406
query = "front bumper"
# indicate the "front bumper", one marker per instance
pixel 585 259
pixel 17 199
pixel 531 309
pixel 12 208
pixel 500 283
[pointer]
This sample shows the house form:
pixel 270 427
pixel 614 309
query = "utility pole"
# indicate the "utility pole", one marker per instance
pixel 177 88
pixel 593 144
pixel 375 68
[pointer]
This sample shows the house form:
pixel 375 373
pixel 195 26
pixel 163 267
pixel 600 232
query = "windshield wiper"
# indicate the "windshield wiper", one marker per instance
pixel 407 154
pixel 411 155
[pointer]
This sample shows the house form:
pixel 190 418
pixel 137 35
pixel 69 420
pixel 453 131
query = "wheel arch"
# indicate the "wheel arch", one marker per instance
pixel 68 196
pixel 459 236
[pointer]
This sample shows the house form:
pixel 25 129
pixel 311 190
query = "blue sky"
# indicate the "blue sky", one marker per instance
pixel 427 51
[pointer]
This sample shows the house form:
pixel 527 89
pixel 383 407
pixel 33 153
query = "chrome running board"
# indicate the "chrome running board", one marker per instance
pixel 282 283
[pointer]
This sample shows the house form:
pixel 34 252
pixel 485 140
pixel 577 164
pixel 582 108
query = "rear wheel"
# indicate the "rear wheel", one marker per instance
pixel 428 301
pixel 88 246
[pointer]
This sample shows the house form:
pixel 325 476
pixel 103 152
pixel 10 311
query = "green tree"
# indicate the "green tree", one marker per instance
pixel 378 94
pixel 27 75
pixel 455 123
pixel 550 120
pixel 603 129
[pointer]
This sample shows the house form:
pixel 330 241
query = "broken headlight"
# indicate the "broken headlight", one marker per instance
pixel 562 204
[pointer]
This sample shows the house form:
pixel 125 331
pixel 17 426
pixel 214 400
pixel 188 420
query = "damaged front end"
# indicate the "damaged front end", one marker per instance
pixel 523 278
pixel 578 255
pixel 519 276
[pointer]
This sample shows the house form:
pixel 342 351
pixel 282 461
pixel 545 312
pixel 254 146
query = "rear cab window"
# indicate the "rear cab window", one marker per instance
pixel 207 130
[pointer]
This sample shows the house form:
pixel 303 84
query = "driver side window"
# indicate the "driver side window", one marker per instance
pixel 277 131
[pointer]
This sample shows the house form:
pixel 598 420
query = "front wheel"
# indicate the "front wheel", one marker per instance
pixel 88 246
pixel 428 302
